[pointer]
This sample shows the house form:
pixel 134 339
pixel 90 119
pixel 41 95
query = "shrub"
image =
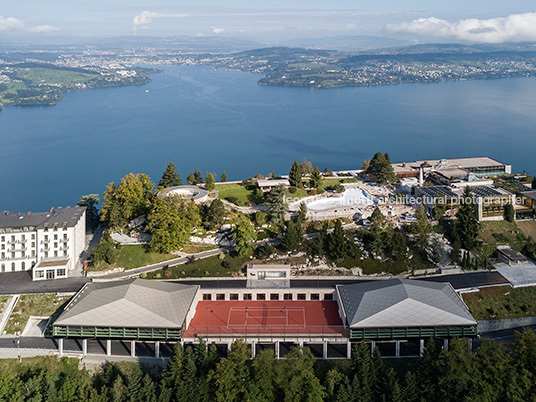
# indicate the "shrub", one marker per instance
pixel 232 199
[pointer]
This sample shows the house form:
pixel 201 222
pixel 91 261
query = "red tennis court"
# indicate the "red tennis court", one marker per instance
pixel 254 318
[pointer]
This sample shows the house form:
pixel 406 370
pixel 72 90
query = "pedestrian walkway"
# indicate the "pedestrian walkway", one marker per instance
pixel 7 312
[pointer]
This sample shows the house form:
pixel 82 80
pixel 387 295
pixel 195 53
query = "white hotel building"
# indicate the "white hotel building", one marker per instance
pixel 47 243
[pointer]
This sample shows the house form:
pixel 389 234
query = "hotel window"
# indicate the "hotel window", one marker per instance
pixel 207 296
pixel 33 236
pixel 39 274
pixel 261 296
pixel 233 296
pixel 301 296
pixel 55 253
pixel 23 237
pixel 55 237
pixel 46 237
pixel 3 267
pixel 328 296
pixel 65 236
pixel 13 266
pixel 3 246
pixel 274 296
pixel 3 255
pixel 12 238
pixel 33 253
pixel 12 255
pixel 247 296
pixel 220 296
pixel 287 296
pixel 23 265
pixel 3 238
pixel 60 272
pixel 23 253
pixel 33 244
pixel 65 253
pixel 315 296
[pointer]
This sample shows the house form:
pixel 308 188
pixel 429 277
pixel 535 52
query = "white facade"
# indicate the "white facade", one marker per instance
pixel 26 240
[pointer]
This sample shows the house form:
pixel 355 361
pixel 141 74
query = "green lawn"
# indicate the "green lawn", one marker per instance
pixel 43 75
pixel 243 195
pixel 136 256
pixel 38 305
pixel 502 302
pixel 207 267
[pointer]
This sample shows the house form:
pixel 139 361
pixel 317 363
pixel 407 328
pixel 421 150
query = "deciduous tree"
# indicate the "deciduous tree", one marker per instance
pixel 171 221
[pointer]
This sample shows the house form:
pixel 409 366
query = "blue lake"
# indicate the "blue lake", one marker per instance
pixel 213 120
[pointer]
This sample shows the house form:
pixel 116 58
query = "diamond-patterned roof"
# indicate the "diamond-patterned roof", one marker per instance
pixel 135 303
pixel 403 303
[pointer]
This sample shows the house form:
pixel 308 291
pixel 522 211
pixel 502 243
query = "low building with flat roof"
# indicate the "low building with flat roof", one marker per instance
pixel 453 169
pixel 267 185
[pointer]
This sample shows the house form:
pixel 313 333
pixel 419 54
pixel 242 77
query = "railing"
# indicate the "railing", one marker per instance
pixel 270 331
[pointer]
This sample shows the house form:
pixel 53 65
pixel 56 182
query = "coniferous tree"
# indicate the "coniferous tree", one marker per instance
pixel 467 225
pixel 316 178
pixel 209 181
pixel 377 219
pixel 302 214
pixel 421 228
pixel 223 178
pixel 293 237
pixel 170 177
pixel 338 242
pixel 277 207
pixel 295 174
pixel 90 201
pixel 509 213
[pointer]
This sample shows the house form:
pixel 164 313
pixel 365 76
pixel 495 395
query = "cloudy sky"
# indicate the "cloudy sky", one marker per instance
pixel 490 21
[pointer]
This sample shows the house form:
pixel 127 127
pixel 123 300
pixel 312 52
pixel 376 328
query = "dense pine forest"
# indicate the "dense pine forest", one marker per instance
pixel 492 372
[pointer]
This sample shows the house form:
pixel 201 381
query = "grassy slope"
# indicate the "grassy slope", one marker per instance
pixel 38 305
pixel 43 75
pixel 502 302
pixel 140 255
pixel 212 266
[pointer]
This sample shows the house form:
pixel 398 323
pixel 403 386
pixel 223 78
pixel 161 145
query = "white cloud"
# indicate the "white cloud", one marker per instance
pixel 10 24
pixel 218 31
pixel 513 28
pixel 147 17
pixel 44 29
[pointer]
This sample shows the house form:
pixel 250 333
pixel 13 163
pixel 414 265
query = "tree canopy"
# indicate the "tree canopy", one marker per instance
pixel 467 225
pixel 491 372
pixel 295 174
pixel 132 198
pixel 380 167
pixel 170 177
pixel 90 201
pixel 171 221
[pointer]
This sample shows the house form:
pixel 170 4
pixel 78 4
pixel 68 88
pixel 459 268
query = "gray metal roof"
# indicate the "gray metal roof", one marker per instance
pixel 403 303
pixel 56 216
pixel 134 303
